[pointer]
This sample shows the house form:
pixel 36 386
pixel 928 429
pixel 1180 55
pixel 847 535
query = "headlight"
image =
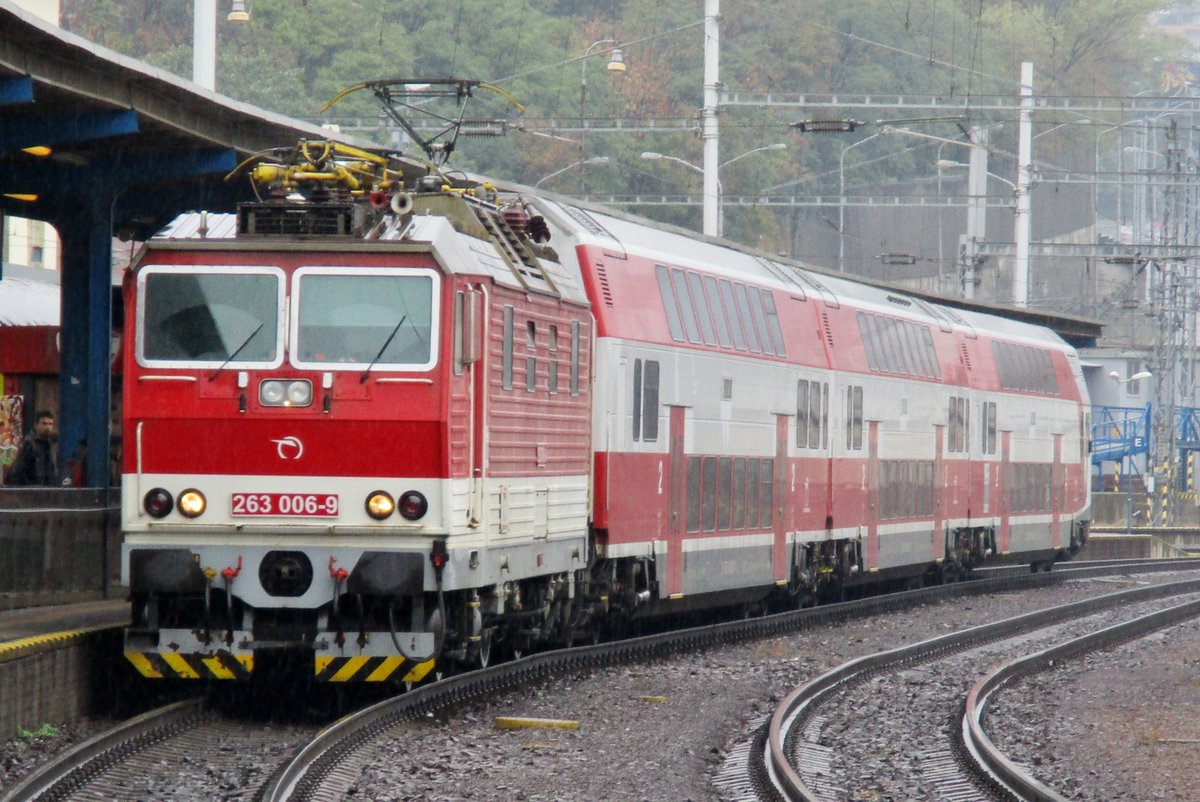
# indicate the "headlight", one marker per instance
pixel 192 503
pixel 380 505
pixel 158 503
pixel 299 393
pixel 413 505
pixel 285 393
pixel 271 393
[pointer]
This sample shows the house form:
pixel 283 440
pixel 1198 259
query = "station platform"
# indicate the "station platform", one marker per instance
pixel 35 623
pixel 55 662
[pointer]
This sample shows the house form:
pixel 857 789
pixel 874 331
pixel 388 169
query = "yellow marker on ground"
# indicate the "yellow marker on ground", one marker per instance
pixel 655 699
pixel 520 723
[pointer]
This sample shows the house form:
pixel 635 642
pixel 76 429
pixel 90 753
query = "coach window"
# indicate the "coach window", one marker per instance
pixel 530 356
pixel 708 501
pixel 552 379
pixel 670 307
pixel 866 330
pixel 773 323
pixel 743 307
pixel 507 364
pixel 930 353
pixel 988 427
pixel 854 418
pixel 815 422
pixel 952 426
pixel 724 480
pixel 959 424
pixel 685 306
pixel 650 402
pixel 752 508
pixel 706 324
pixel 645 400
pixel 693 494
pixel 637 400
pixel 739 493
pixel 767 485
pixel 731 311
pixel 802 413
pixel 755 299
pixel 714 303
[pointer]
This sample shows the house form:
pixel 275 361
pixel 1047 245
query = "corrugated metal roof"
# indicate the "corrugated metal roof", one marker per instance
pixel 24 302
pixel 189 225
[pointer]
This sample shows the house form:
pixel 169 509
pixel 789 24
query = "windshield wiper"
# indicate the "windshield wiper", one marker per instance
pixel 382 348
pixel 237 351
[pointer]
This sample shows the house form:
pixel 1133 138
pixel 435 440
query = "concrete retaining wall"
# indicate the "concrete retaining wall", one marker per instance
pixel 54 679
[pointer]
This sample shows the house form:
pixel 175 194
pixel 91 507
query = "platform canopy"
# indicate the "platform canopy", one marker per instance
pixel 99 145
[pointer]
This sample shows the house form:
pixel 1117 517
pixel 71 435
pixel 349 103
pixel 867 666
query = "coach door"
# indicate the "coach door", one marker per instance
pixel 677 519
pixel 783 509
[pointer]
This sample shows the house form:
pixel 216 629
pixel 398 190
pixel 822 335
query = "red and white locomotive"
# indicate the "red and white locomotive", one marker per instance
pixel 388 417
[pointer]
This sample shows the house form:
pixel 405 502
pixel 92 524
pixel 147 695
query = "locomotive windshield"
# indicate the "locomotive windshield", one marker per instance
pixel 353 319
pixel 210 317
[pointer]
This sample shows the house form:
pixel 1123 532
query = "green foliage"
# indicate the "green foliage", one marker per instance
pixel 295 55
pixel 44 731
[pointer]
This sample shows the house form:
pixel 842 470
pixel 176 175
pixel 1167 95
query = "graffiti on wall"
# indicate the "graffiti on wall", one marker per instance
pixel 12 426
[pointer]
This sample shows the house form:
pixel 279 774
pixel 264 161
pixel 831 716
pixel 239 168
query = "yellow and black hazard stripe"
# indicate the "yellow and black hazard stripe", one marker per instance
pixel 221 665
pixel 370 669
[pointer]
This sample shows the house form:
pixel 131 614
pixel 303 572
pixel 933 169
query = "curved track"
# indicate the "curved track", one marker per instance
pixel 799 761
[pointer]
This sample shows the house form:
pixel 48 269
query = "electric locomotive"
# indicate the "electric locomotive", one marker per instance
pixel 387 417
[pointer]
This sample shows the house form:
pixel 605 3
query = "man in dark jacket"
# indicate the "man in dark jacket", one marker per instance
pixel 35 463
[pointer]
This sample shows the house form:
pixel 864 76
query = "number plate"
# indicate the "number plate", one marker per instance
pixel 317 505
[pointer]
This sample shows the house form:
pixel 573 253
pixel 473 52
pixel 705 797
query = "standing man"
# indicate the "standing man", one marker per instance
pixel 35 463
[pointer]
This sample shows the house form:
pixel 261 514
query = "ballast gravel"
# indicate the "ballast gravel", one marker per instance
pixel 661 730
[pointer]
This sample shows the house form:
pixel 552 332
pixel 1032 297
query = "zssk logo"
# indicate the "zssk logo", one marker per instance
pixel 289 447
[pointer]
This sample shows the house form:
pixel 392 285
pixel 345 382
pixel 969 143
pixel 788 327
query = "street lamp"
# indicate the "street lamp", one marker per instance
pixel 652 156
pixel 1144 374
pixel 842 198
pixel 204 39
pixel 571 166
pixel 616 65
pixel 1145 216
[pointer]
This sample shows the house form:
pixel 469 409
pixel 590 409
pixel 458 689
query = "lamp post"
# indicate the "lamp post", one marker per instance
pixel 204 38
pixel 842 198
pixel 616 64
pixel 1096 183
pixel 571 166
pixel 651 155
pixel 1146 211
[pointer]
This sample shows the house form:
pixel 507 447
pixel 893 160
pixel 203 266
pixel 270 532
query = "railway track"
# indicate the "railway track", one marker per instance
pixel 325 766
pixel 151 756
pixel 916 733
